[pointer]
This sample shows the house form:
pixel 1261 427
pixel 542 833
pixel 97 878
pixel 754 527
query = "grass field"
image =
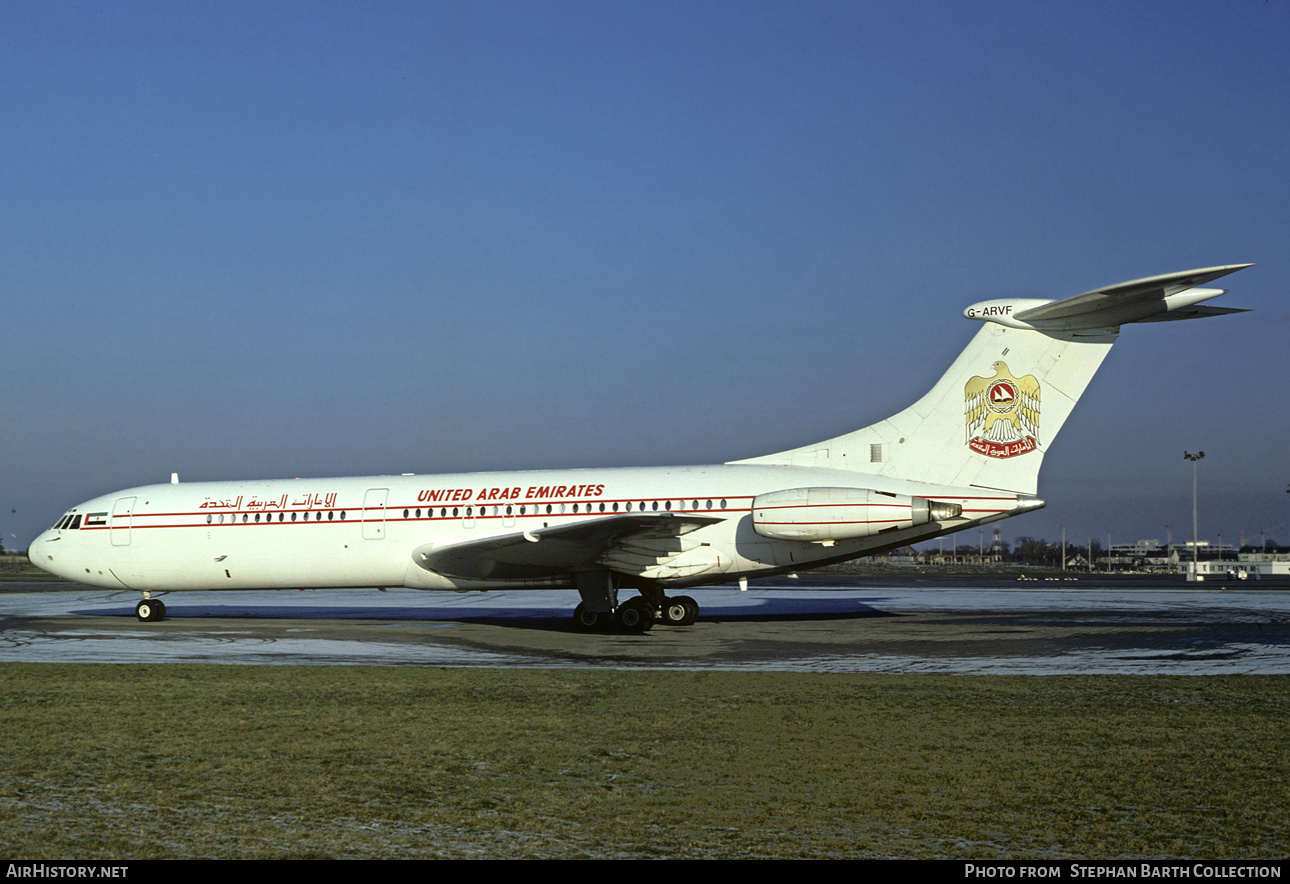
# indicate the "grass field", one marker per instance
pixel 114 761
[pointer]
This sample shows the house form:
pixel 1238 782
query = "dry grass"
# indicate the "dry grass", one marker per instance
pixel 114 761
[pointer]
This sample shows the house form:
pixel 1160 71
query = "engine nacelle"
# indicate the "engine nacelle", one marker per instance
pixel 818 514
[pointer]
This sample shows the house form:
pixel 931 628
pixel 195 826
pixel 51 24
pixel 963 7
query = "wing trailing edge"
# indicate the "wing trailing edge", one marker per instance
pixel 633 543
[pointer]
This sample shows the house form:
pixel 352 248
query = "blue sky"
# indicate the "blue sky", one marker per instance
pixel 261 240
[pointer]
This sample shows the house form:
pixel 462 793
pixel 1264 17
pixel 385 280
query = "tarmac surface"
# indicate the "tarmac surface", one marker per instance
pixel 832 623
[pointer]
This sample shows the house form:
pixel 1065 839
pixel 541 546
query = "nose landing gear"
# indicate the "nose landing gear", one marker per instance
pixel 150 610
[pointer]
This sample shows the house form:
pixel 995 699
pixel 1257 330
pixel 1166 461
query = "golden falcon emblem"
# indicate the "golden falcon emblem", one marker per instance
pixel 1002 413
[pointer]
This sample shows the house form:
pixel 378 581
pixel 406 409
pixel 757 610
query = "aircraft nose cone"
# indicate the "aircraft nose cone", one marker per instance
pixel 40 552
pixel 36 551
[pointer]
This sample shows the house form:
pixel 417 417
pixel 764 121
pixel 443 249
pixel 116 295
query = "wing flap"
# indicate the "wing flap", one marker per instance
pixel 630 542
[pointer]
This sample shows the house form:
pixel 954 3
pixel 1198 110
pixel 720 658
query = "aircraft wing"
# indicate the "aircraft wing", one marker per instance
pixel 628 542
pixel 1151 288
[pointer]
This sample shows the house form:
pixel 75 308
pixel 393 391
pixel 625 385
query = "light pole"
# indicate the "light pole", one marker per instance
pixel 1195 543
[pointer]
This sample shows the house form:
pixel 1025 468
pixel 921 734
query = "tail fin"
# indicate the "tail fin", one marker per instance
pixel 989 420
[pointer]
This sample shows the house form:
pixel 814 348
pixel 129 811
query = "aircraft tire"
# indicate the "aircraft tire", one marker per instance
pixel 674 611
pixel 149 611
pixel 588 621
pixel 691 608
pixel 634 615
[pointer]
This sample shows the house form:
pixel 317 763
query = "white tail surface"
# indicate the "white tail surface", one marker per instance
pixel 987 422
pixel 991 417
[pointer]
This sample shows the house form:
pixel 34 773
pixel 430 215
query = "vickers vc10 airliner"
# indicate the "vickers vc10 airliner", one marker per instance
pixel 966 454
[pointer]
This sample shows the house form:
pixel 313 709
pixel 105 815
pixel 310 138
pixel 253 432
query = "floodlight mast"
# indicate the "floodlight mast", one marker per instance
pixel 1195 554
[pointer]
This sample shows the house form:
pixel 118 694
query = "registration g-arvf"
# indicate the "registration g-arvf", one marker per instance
pixel 965 454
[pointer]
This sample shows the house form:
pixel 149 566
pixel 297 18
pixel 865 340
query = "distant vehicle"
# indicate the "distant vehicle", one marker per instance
pixel 966 454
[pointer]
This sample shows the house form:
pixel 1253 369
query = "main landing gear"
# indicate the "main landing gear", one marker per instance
pixel 150 610
pixel 637 615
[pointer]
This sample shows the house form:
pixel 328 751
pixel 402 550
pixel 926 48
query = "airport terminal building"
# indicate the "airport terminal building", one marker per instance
pixel 1208 561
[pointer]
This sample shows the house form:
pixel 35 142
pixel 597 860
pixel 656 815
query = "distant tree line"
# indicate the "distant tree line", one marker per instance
pixel 1037 551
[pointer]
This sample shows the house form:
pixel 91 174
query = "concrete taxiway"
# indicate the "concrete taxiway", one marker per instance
pixel 843 624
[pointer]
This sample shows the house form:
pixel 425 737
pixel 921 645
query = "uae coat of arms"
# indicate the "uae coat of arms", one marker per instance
pixel 1002 413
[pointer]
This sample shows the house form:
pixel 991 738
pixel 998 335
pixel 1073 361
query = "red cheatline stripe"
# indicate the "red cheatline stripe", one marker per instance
pixel 362 515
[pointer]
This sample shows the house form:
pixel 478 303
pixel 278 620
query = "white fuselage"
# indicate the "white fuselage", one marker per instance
pixel 362 532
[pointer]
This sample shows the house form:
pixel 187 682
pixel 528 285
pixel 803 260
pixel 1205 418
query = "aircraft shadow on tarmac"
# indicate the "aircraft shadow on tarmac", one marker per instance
pixel 558 619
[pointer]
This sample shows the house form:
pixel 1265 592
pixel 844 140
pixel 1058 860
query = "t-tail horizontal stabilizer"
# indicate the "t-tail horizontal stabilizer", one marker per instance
pixel 1153 299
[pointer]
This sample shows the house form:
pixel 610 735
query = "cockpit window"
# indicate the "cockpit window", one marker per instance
pixel 76 522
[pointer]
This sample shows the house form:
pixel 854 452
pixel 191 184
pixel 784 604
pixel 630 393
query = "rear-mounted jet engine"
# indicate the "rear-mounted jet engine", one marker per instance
pixel 818 514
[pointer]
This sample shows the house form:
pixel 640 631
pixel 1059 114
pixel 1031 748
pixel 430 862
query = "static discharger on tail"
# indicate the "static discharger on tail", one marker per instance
pixel 965 454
